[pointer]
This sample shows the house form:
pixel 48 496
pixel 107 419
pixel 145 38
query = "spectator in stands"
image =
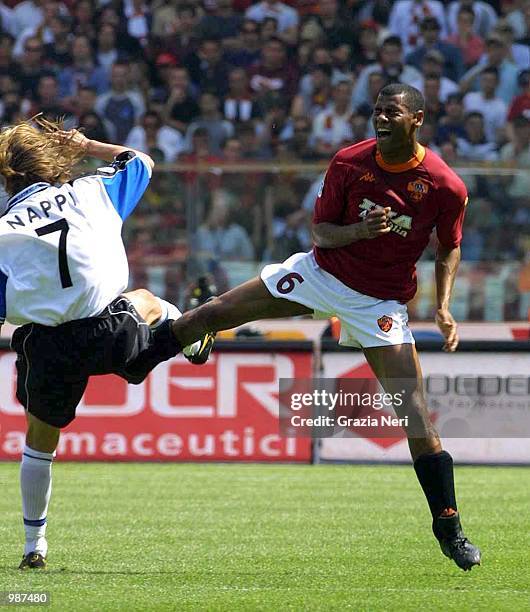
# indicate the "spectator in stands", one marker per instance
pixel 48 103
pixel 321 56
pixel 219 238
pixel 252 147
pixel 39 29
pixel 433 64
pixel 121 107
pixel 84 19
pixel 7 65
pixel 485 16
pixel 274 72
pixel 238 105
pixel 313 96
pixel 376 82
pixel 286 16
pixel 331 127
pixel 168 75
pixel 58 52
pixel 518 53
pixel 269 29
pixel 342 61
pixel 514 13
pixel 199 151
pixel 276 126
pixel 210 119
pixel 165 19
pixel 31 67
pixel 496 55
pixel 471 45
pixel 207 68
pixel 520 105
pixel 453 63
pixel 248 49
pixel 475 146
pixel 107 49
pixel 290 231
pixel 180 108
pixel 182 36
pixel 160 141
pixel 390 64
pixel 493 109
pixel 518 187
pixel 376 10
pixel 335 25
pixel 301 142
pixel 525 38
pixel 406 17
pixel 138 18
pixel 361 128
pixel 427 135
pixel 83 71
pixel 451 126
pixel 93 127
pixel 434 108
pixel 222 22
pixel 85 101
pixel 367 49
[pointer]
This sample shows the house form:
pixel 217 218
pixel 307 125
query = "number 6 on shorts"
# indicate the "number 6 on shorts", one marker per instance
pixel 287 283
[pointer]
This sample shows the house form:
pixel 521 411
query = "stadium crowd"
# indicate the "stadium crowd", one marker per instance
pixel 235 80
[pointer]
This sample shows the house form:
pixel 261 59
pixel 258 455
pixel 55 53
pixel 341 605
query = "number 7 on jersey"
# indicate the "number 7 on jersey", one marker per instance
pixel 63 227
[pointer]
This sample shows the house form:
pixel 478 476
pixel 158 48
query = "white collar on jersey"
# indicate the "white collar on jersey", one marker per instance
pixel 22 195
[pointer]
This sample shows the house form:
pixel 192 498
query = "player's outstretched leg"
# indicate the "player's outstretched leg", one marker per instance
pixel 250 301
pixel 155 341
pixel 398 368
pixel 36 487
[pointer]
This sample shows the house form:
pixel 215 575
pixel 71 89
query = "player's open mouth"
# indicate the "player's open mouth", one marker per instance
pixel 383 133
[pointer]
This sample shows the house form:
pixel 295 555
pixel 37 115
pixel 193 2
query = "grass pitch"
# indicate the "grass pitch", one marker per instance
pixel 252 537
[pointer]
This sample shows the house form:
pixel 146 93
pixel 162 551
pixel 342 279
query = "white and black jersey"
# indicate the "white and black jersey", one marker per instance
pixel 62 257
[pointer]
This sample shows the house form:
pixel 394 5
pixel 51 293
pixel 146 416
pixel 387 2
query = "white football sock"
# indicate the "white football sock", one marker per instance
pixel 170 311
pixel 36 488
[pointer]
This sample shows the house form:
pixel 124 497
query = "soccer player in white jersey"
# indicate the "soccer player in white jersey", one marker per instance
pixel 63 271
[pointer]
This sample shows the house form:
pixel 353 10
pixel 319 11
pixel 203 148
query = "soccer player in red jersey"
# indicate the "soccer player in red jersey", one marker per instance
pixel 377 206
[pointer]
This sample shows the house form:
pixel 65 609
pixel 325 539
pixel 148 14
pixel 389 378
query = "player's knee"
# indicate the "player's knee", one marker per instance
pixel 146 303
pixel 41 436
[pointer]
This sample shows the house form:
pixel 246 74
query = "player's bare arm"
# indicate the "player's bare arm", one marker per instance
pixel 332 236
pixel 101 150
pixel 447 261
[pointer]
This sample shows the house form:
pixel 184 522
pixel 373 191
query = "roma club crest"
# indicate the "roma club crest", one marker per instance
pixel 385 323
pixel 417 189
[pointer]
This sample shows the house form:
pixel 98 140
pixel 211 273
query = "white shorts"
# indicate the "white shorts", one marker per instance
pixel 365 321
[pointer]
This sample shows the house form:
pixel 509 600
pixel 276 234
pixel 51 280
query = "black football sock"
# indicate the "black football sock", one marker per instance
pixel 435 473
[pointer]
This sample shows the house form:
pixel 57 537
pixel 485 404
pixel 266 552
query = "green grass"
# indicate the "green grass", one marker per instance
pixel 250 537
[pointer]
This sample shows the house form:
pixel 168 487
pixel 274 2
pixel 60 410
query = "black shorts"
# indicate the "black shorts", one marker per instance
pixel 55 363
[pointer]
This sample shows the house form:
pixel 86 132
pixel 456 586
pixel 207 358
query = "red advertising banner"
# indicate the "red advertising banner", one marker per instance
pixel 226 410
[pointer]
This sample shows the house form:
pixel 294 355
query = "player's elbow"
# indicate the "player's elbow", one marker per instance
pixel 317 236
pixel 148 160
pixel 445 252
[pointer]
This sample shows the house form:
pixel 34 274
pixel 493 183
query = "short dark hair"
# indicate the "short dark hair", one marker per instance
pixel 491 70
pixel 474 115
pixel 412 97
pixel 392 40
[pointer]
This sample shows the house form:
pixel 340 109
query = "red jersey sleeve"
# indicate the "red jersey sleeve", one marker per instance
pixel 331 200
pixel 453 202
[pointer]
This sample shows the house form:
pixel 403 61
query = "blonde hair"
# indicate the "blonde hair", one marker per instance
pixel 36 150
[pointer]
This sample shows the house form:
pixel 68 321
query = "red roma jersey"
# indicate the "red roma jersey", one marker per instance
pixel 423 194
